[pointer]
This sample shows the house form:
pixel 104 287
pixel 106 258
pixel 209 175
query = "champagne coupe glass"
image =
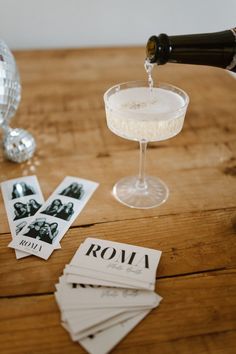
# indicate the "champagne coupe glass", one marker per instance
pixel 137 112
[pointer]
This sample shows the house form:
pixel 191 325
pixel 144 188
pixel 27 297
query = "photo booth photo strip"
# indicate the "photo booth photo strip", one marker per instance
pixel 54 218
pixel 22 199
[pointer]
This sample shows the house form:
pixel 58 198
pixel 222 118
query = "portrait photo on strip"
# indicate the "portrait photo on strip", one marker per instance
pixel 45 229
pixel 19 226
pixel 61 208
pixel 20 187
pixel 25 207
pixel 76 188
pixel 73 190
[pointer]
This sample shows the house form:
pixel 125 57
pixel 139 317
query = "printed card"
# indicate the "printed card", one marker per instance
pixel 90 317
pixel 86 297
pixel 22 198
pixel 103 342
pixel 113 258
pixel 54 218
pixel 75 336
pixel 78 279
pixel 85 319
pixel 108 279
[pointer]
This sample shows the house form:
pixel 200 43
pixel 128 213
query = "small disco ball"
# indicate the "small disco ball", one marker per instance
pixel 18 145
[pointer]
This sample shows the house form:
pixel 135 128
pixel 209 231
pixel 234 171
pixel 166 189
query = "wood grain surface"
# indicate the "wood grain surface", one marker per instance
pixel 62 105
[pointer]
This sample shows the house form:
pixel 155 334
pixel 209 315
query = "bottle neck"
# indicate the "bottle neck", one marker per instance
pixel 215 49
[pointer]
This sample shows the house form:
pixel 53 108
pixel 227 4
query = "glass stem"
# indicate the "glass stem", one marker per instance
pixel 5 127
pixel 141 184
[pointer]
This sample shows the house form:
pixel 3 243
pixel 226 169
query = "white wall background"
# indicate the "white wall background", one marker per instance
pixel 82 23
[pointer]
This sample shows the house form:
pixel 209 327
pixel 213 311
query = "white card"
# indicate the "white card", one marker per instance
pixel 78 279
pixel 104 341
pixel 75 336
pixel 88 316
pixel 118 259
pixel 101 297
pixel 109 278
pixel 97 295
pixel 80 320
pixel 55 217
pixel 22 199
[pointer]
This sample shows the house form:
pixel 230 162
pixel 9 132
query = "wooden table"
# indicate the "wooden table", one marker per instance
pixel 62 105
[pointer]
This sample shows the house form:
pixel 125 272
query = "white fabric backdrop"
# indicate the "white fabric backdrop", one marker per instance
pixel 82 23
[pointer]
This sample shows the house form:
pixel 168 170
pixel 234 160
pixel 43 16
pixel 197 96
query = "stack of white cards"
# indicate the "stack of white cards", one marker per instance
pixel 105 291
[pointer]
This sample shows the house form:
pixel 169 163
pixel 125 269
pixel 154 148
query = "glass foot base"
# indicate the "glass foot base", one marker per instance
pixel 154 193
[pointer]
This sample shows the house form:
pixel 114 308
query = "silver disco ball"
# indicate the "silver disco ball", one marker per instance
pixel 18 144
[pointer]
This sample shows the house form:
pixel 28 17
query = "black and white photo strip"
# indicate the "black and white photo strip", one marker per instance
pixel 54 217
pixel 22 199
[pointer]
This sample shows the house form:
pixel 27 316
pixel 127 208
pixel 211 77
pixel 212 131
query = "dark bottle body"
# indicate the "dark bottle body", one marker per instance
pixel 214 49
